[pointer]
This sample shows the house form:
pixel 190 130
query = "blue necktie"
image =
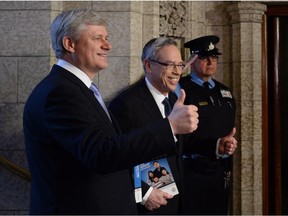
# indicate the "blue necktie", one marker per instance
pixel 98 96
pixel 167 106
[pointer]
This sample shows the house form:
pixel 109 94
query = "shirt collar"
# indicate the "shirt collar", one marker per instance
pixel 76 71
pixel 195 78
pixel 158 96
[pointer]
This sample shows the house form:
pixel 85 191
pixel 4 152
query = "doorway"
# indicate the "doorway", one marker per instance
pixel 275 111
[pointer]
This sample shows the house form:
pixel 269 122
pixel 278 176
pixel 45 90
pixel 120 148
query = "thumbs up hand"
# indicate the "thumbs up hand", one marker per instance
pixel 228 144
pixel 183 118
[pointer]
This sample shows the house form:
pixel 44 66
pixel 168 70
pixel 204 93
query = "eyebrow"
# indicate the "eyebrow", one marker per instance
pixel 173 62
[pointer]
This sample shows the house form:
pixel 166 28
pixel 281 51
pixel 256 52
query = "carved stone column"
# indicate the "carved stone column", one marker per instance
pixel 173 21
pixel 246 20
pixel 173 18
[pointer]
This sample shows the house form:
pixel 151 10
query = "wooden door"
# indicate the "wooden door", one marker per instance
pixel 275 110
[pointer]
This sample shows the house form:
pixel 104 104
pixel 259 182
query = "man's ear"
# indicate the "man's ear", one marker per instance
pixel 147 65
pixel 68 44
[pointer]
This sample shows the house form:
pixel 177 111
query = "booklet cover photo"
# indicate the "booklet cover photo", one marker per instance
pixel 156 174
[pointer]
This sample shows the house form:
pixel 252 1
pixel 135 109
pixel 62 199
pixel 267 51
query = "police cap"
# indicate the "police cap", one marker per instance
pixel 204 46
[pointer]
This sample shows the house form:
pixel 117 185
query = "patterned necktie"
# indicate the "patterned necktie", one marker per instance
pixel 167 106
pixel 98 96
pixel 206 85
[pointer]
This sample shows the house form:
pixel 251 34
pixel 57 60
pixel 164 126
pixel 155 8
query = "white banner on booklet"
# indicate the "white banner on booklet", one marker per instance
pixel 137 184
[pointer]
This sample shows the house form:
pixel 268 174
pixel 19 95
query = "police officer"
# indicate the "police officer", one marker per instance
pixel 207 159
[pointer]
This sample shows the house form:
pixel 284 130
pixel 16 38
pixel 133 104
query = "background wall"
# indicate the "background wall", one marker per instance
pixel 26 57
pixel 24 60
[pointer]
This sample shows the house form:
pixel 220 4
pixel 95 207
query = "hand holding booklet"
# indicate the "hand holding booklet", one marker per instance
pixel 156 174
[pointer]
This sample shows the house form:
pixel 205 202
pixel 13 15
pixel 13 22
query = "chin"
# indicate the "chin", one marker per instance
pixel 102 67
pixel 171 89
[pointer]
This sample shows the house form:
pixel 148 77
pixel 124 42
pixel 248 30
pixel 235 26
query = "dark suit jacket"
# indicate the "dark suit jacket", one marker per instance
pixel 135 108
pixel 78 161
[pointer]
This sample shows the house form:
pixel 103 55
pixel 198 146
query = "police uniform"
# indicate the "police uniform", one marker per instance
pixel 206 175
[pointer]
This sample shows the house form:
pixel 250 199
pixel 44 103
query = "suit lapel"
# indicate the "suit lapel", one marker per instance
pixel 148 102
pixel 172 98
pixel 115 123
pixel 89 93
pixel 86 91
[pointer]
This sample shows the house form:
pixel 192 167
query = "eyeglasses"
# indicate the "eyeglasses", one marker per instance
pixel 208 58
pixel 170 66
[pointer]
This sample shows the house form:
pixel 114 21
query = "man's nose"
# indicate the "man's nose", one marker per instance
pixel 208 60
pixel 106 44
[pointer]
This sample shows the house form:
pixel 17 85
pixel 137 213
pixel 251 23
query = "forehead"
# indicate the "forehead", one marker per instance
pixel 169 52
pixel 95 30
pixel 204 59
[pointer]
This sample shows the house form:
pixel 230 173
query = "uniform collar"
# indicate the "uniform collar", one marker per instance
pixel 195 78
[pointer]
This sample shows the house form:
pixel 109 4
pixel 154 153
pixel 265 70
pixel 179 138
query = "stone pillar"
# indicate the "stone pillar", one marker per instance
pixel 130 24
pixel 246 38
pixel 196 20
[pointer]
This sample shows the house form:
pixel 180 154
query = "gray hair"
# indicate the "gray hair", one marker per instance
pixel 151 48
pixel 71 23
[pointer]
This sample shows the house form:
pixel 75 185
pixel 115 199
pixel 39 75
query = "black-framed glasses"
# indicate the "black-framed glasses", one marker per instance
pixel 169 66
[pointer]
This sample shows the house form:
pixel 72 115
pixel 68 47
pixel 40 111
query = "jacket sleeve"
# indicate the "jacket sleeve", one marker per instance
pixel 74 123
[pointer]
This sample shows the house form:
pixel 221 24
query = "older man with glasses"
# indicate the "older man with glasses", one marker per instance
pixel 150 100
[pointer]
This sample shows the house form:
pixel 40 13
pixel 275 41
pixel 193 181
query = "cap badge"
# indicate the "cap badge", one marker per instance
pixel 211 46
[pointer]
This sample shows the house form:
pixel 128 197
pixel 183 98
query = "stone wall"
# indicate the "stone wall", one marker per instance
pixel 24 60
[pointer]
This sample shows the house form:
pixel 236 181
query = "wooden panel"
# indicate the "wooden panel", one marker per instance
pixel 271 91
pixel 265 158
pixel 277 121
pixel 277 10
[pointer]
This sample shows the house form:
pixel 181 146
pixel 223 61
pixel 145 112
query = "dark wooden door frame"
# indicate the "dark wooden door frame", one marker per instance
pixel 271 119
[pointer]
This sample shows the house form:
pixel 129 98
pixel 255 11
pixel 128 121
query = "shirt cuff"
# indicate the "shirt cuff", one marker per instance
pixel 146 196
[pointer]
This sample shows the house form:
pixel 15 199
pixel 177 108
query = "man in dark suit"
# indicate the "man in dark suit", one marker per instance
pixel 77 157
pixel 142 104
